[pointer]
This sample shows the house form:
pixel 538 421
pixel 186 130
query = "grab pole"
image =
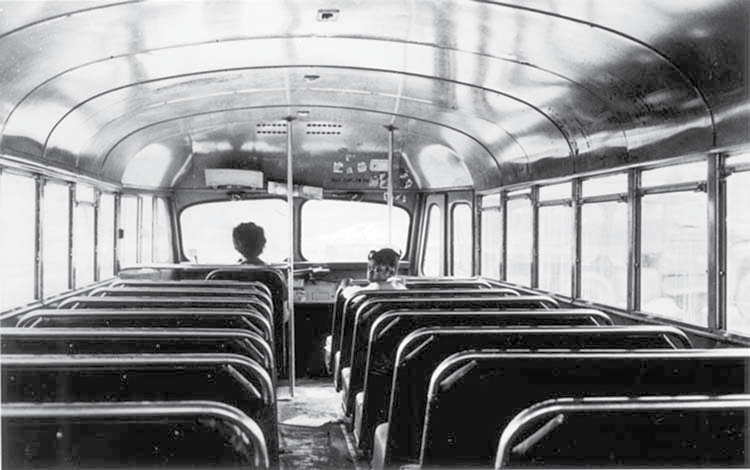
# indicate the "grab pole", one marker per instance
pixel 290 280
pixel 389 196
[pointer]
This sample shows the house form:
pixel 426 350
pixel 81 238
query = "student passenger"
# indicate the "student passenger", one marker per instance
pixel 382 267
pixel 249 241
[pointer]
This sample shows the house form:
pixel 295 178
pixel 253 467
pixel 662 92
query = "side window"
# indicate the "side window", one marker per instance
pixel 555 248
pixel 432 262
pixel 83 236
pixel 106 235
pixel 55 238
pixel 491 236
pixel 461 236
pixel 604 240
pixel 147 225
pixel 520 233
pixel 17 245
pixel 162 233
pixel 738 253
pixel 556 238
pixel 674 244
pixel 604 252
pixel 129 227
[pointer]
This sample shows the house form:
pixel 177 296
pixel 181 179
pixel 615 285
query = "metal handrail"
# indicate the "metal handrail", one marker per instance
pixel 256 371
pixel 259 323
pixel 553 412
pixel 182 334
pixel 130 410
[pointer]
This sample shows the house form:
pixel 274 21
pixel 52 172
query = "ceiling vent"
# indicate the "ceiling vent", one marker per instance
pixel 270 128
pixel 323 128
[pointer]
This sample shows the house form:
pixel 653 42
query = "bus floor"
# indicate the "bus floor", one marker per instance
pixel 312 430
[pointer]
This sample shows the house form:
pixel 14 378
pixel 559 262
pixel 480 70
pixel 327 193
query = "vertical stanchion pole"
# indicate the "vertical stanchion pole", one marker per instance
pixel 390 129
pixel 290 279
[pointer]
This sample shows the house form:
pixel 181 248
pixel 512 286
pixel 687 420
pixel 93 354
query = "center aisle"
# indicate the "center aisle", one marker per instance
pixel 312 434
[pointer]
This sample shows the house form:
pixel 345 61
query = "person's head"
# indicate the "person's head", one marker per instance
pixel 249 240
pixel 382 264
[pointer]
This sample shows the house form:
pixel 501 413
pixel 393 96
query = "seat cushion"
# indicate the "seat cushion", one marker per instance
pixel 359 402
pixel 378 449
pixel 327 354
pixel 346 377
pixel 336 370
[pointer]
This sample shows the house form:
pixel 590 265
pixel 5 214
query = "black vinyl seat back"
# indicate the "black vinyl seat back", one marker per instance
pixel 137 341
pixel 183 291
pixel 227 378
pixel 127 435
pixel 338 311
pixel 145 318
pixel 424 349
pixel 430 287
pixel 680 431
pixel 201 283
pixel 424 283
pixel 154 302
pixel 473 395
pixel 275 280
pixel 391 328
pixel 356 327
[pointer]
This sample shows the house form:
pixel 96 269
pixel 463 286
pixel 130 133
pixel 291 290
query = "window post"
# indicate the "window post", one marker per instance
pixel 717 243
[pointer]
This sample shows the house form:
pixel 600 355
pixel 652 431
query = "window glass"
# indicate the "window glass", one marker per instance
pixel 129 227
pixel 106 235
pixel 432 263
pixel 614 184
pixel 555 191
pixel 739 159
pixel 207 229
pixel 83 244
pixel 163 234
pixel 463 245
pixel 555 249
pixel 55 238
pixel 518 192
pixel 491 242
pixel 738 253
pixel 604 253
pixel 17 239
pixel 491 200
pixel 347 231
pixel 520 236
pixel 674 257
pixel 85 193
pixel 674 174
pixel 147 221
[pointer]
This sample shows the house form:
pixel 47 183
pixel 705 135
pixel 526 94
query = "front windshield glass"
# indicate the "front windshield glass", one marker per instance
pixel 207 230
pixel 347 230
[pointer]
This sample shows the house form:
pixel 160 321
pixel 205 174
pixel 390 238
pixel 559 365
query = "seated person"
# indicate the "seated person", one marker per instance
pixel 382 267
pixel 249 241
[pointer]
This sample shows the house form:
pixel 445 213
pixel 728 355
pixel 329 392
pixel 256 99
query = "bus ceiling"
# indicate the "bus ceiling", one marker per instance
pixel 464 93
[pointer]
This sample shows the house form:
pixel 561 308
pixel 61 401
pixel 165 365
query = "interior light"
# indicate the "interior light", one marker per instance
pixel 311 78
pixel 303 113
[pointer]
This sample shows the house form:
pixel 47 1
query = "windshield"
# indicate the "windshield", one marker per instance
pixel 330 231
pixel 207 229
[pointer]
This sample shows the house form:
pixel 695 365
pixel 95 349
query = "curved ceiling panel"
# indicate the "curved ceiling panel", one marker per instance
pixel 532 88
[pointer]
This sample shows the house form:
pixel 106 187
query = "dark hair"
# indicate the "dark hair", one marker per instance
pixel 249 239
pixel 385 256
